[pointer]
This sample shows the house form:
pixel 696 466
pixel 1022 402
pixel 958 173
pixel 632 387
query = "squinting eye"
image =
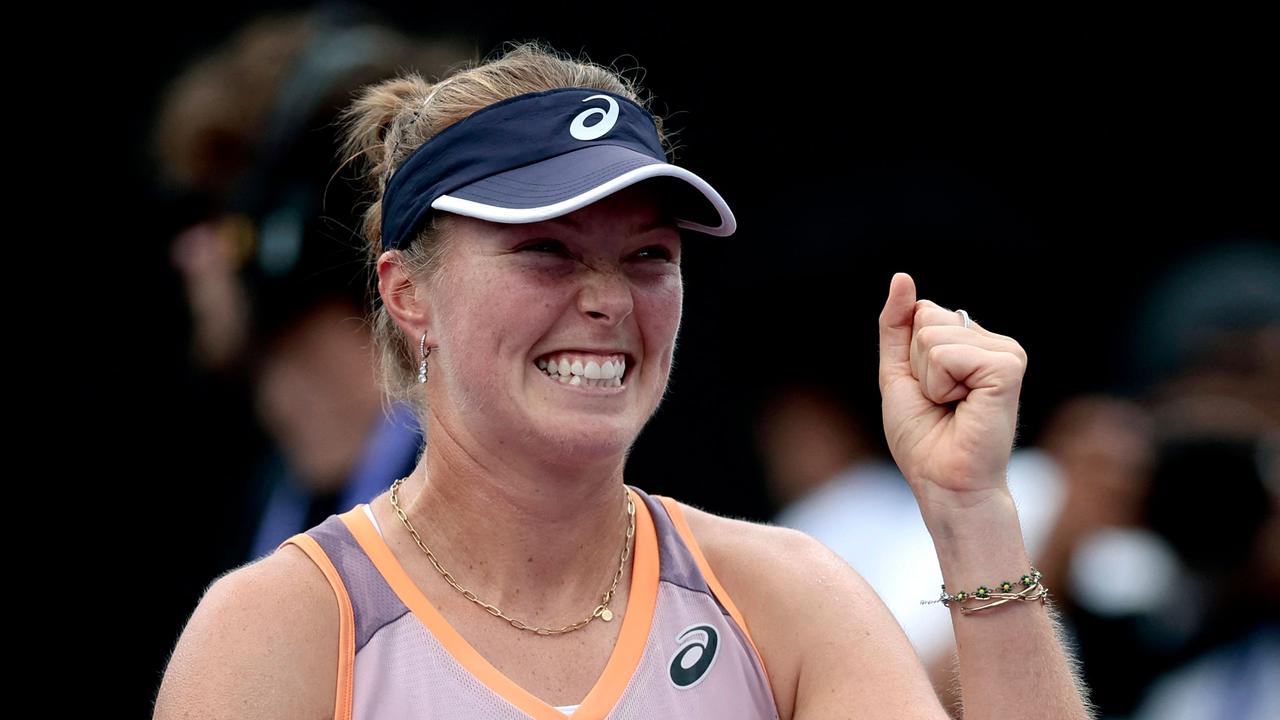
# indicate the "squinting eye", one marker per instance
pixel 554 246
pixel 657 252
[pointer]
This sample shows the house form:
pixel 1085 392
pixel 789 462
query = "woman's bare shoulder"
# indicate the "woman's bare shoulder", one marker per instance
pixel 807 608
pixel 262 642
pixel 742 548
pixel 734 544
pixel 781 561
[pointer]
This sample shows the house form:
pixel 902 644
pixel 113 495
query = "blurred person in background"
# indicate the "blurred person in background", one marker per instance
pixel 1208 343
pixel 1215 629
pixel 1166 537
pixel 271 262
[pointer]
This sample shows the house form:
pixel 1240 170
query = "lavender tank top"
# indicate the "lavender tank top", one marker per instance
pixel 683 650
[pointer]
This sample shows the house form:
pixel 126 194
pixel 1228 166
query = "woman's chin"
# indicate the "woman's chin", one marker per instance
pixel 601 444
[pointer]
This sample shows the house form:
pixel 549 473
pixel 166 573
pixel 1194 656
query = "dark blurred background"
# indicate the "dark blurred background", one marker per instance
pixel 1068 182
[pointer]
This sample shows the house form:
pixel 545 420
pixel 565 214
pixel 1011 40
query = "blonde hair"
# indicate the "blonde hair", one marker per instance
pixel 389 120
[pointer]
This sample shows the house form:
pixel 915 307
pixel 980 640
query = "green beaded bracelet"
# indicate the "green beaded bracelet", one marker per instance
pixel 1033 589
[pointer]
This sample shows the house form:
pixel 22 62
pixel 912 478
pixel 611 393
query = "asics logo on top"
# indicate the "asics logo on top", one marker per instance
pixel 579 129
pixel 691 663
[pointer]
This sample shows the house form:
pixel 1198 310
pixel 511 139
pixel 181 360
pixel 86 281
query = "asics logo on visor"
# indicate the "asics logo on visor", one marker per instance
pixel 579 129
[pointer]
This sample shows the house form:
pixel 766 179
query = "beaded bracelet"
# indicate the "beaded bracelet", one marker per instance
pixel 1033 589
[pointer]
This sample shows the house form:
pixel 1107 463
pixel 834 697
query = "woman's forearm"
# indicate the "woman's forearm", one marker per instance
pixel 1012 658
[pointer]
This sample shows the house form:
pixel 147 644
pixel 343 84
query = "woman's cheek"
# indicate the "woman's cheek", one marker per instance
pixel 663 307
pixel 668 300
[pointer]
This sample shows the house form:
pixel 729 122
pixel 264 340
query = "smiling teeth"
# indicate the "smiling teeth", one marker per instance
pixel 585 371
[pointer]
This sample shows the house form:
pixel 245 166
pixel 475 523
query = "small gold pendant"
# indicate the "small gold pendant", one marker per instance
pixel 606 614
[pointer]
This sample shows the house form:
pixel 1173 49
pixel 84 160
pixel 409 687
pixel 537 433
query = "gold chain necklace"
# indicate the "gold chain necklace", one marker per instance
pixel 602 610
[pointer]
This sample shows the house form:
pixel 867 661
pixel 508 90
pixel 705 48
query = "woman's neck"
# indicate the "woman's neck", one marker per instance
pixel 539 543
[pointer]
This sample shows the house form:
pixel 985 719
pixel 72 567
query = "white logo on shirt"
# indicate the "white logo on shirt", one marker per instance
pixel 579 129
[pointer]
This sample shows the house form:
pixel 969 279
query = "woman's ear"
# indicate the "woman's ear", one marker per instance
pixel 405 297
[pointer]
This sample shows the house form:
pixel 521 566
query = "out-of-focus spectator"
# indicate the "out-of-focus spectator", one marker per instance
pixel 1202 641
pixel 1104 447
pixel 272 265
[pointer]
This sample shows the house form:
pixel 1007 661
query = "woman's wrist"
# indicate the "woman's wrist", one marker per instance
pixel 978 543
pixel 951 514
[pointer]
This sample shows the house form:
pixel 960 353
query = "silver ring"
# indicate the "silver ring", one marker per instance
pixel 964 315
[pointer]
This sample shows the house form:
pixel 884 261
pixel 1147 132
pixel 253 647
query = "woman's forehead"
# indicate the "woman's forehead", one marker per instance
pixel 610 223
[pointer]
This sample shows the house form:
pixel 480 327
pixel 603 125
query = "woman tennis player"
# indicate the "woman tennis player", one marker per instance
pixel 526 235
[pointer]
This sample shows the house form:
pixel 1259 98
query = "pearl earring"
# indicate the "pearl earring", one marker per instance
pixel 422 365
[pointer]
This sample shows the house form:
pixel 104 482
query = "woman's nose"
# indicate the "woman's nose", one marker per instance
pixel 606 296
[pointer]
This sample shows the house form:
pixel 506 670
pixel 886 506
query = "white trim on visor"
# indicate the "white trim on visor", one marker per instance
pixel 493 213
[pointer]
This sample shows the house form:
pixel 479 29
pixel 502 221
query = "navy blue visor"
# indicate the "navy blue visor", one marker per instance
pixel 542 155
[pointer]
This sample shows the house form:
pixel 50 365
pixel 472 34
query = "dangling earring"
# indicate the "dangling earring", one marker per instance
pixel 422 365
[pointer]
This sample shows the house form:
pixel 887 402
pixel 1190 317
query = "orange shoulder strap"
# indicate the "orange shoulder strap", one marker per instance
pixel 347 625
